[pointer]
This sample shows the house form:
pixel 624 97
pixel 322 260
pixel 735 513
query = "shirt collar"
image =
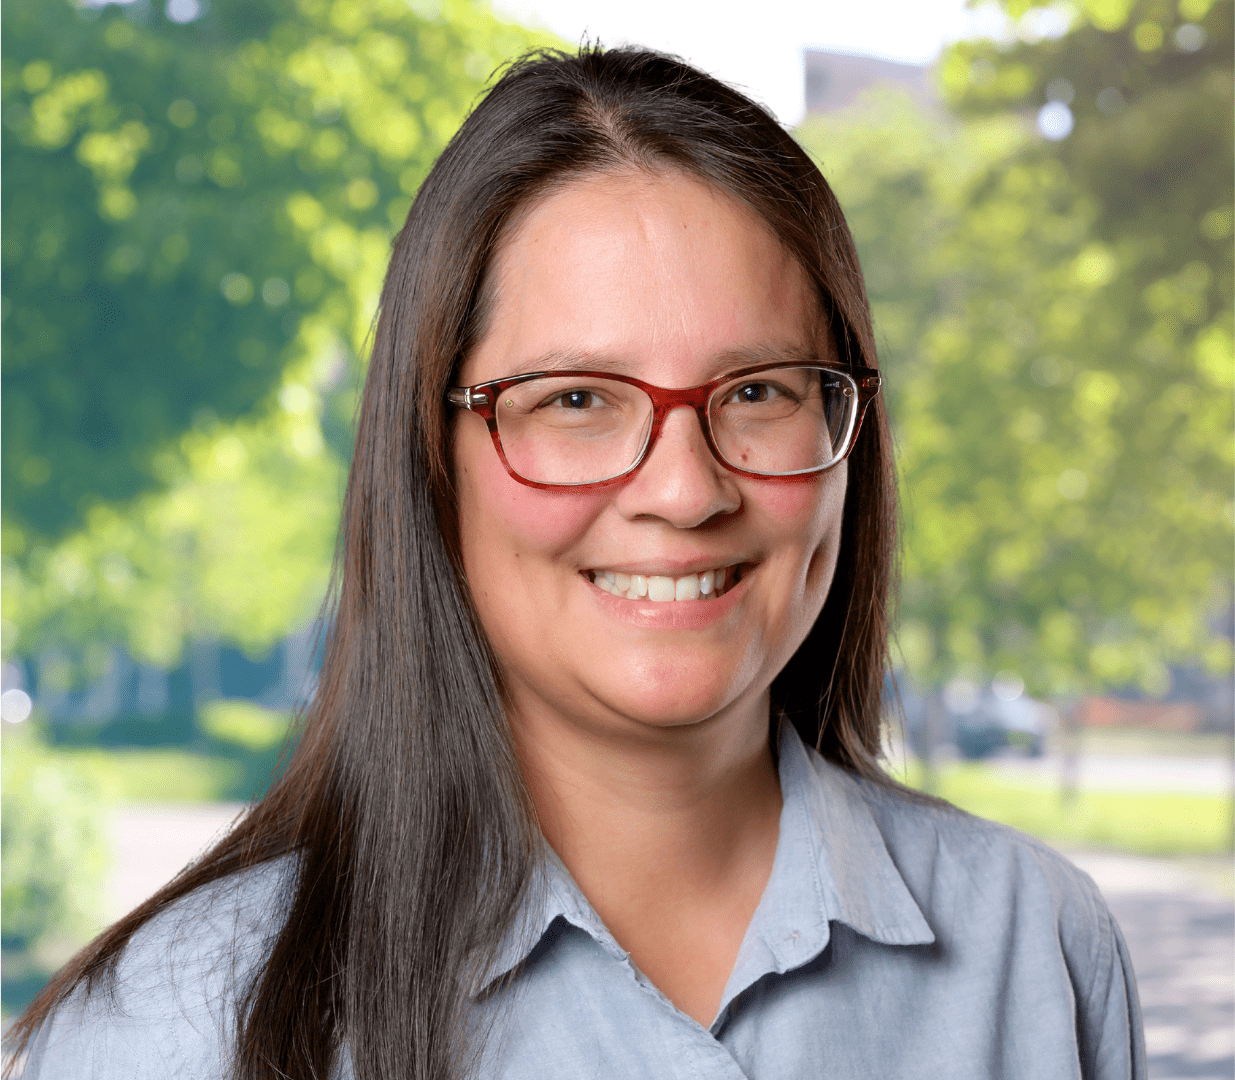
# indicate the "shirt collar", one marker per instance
pixel 831 864
pixel 551 894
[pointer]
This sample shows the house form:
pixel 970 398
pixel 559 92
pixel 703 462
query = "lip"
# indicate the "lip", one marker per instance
pixel 671 614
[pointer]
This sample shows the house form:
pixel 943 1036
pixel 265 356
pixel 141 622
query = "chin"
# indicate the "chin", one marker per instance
pixel 678 698
pixel 672 714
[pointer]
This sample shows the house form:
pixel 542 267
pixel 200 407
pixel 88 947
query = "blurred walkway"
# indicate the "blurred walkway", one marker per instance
pixel 152 842
pixel 1177 916
pixel 1124 772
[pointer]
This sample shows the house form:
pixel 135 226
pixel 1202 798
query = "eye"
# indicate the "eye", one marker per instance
pixel 755 393
pixel 576 399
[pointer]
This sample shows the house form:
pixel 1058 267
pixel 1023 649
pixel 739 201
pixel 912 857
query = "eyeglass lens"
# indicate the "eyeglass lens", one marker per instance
pixel 571 430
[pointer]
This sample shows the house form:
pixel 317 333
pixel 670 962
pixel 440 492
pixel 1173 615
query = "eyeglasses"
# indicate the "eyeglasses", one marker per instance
pixel 584 429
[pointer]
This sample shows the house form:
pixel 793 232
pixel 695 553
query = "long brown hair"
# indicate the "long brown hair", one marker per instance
pixel 402 800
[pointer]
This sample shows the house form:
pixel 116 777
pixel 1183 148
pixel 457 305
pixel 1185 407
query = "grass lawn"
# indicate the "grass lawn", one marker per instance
pixel 152 775
pixel 1153 823
pixel 168 774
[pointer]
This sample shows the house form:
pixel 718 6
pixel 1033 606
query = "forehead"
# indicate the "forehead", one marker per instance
pixel 655 274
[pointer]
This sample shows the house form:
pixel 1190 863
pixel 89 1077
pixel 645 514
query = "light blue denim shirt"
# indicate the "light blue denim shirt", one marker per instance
pixel 893 940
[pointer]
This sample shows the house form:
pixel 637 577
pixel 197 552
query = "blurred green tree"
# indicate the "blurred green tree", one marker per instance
pixel 198 207
pixel 54 851
pixel 1056 317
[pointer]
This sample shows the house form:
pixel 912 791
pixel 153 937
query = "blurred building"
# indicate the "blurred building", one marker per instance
pixel 1196 702
pixel 132 702
pixel 836 80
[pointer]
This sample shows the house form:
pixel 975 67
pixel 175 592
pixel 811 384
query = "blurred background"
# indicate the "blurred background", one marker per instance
pixel 199 198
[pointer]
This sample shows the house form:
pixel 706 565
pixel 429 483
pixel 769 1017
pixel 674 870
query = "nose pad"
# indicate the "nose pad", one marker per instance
pixel 680 480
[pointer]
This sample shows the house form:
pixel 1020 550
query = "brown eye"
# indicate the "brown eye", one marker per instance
pixel 757 393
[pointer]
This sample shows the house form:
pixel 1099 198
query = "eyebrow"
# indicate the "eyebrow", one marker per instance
pixel 617 364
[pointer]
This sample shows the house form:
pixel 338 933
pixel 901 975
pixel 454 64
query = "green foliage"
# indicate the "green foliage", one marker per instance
pixel 131 229
pixel 236 546
pixel 1152 142
pixel 1056 323
pixel 54 850
pixel 245 725
pixel 197 222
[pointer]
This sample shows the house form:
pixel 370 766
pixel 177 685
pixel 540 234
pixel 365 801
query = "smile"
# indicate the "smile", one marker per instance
pixel 702 586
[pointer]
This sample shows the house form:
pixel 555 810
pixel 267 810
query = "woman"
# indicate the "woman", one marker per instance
pixel 616 552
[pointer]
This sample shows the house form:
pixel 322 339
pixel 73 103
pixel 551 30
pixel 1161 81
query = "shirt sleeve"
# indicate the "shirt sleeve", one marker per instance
pixel 1110 1032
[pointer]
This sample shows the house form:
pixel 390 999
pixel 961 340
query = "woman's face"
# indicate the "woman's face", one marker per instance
pixel 660 277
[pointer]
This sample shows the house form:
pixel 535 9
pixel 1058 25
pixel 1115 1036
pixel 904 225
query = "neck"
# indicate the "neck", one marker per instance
pixel 670 832
pixel 645 816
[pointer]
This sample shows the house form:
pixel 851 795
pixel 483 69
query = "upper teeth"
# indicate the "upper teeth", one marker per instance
pixel 663 589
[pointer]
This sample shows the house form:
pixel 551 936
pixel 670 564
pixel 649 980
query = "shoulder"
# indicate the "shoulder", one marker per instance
pixel 1008 908
pixel 170 1010
pixel 981 882
pixel 1020 940
pixel 979 885
pixel 934 841
pixel 203 947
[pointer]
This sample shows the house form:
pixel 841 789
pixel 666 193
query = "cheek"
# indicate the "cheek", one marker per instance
pixel 503 522
pixel 805 518
pixel 806 511
pixel 791 503
pixel 542 525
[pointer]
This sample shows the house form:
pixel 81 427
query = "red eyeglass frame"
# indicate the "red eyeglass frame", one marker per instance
pixel 481 397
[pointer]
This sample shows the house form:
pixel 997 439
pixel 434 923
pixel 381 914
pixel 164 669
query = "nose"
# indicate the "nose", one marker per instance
pixel 680 481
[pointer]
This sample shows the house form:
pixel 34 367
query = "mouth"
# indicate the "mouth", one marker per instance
pixel 705 585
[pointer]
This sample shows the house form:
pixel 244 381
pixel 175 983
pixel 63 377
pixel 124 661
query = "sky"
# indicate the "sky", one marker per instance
pixel 759 46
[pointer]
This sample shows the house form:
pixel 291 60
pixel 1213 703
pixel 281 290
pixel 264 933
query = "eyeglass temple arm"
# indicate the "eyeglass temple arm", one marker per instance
pixel 465 398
